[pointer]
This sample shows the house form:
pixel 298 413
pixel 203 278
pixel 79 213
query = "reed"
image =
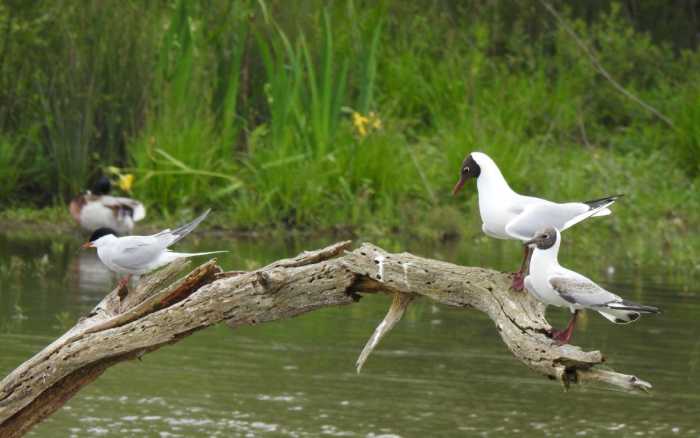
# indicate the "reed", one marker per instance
pixel 351 113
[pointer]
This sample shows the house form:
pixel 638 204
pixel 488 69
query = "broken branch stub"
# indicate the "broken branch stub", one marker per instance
pixel 160 311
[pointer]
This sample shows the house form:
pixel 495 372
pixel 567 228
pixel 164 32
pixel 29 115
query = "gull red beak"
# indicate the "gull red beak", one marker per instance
pixel 458 186
pixel 87 245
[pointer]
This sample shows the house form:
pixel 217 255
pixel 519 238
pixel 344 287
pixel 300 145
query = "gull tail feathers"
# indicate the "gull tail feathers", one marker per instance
pixel 603 212
pixel 624 312
pixel 619 316
pixel 396 311
pixel 597 207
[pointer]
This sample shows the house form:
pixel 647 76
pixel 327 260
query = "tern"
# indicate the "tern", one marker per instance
pixel 555 285
pixel 137 255
pixel 508 215
pixel 97 209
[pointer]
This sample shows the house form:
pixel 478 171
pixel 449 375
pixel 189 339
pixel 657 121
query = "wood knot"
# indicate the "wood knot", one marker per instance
pixel 268 280
pixel 262 279
pixel 122 292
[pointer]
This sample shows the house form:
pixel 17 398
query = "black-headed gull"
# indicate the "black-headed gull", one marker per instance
pixel 97 209
pixel 508 215
pixel 137 255
pixel 555 285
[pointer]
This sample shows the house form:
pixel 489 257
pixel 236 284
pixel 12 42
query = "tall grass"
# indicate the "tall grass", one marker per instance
pixel 184 155
pixel 73 74
pixel 253 107
pixel 11 160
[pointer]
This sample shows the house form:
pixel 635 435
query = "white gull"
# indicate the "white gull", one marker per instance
pixel 508 215
pixel 555 285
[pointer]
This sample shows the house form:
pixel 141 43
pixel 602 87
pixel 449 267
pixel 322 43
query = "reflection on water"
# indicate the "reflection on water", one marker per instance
pixel 441 372
pixel 89 276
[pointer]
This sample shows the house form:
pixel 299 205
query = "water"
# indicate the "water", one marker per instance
pixel 441 372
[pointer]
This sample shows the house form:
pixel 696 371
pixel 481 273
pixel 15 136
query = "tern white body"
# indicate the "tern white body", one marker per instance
pixel 136 255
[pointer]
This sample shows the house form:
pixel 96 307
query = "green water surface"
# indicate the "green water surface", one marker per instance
pixel 441 372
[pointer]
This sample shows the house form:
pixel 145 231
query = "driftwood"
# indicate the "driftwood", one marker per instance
pixel 162 310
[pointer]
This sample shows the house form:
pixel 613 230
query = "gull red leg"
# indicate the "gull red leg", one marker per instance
pixel 124 282
pixel 564 336
pixel 518 283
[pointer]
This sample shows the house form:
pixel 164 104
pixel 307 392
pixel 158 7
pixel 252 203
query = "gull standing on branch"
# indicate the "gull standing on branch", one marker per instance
pixel 555 285
pixel 508 215
pixel 137 255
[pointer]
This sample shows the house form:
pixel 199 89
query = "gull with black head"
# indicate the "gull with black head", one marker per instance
pixel 555 285
pixel 137 255
pixel 508 215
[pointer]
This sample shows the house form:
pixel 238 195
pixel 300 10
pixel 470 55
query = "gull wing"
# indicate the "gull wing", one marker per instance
pixel 580 290
pixel 542 214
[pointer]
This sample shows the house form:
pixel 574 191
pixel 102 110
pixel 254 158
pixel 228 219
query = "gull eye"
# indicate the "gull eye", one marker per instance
pixel 466 169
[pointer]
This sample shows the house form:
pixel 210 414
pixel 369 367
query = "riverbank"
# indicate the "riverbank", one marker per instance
pixel 664 243
pixel 334 119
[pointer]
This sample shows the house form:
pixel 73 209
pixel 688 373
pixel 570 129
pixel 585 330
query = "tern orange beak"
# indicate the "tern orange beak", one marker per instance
pixel 87 245
pixel 458 186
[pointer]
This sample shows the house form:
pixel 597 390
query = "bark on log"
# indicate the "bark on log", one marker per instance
pixel 162 310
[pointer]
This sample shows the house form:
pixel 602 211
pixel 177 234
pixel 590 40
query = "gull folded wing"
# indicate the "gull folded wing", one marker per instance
pixel 580 290
pixel 537 216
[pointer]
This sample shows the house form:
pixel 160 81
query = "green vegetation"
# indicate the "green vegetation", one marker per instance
pixel 357 114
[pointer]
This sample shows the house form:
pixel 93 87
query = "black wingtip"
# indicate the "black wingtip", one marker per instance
pixel 634 307
pixel 595 203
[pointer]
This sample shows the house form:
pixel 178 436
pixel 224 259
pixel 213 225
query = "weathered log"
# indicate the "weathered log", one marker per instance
pixel 162 310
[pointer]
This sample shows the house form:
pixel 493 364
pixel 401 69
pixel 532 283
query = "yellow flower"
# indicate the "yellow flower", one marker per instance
pixel 125 182
pixel 360 123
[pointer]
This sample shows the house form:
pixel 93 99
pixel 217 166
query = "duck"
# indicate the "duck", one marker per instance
pixel 138 255
pixel 506 214
pixel 554 285
pixel 96 209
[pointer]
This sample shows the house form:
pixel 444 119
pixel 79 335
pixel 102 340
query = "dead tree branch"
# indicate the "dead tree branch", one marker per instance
pixel 162 310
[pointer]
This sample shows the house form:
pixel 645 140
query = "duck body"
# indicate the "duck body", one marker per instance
pixel 97 209
pixel 104 211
